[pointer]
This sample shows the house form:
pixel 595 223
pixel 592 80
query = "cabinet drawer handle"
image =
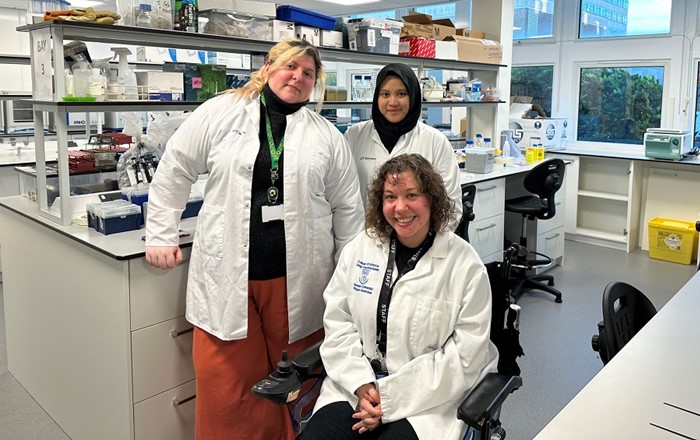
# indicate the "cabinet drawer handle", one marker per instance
pixel 492 225
pixel 552 237
pixel 177 402
pixel 176 333
pixel 489 188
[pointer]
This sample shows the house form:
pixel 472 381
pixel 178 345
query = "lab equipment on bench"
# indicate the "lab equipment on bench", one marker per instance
pixel 665 143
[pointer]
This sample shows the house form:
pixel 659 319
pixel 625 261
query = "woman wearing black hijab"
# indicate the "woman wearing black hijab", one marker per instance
pixel 395 128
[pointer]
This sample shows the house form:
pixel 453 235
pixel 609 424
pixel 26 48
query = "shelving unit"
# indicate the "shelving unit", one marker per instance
pixel 46 40
pixel 607 209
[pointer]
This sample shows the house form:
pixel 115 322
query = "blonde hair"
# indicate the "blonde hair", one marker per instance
pixel 279 56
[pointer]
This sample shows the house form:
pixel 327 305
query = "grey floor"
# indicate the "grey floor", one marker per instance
pixel 558 358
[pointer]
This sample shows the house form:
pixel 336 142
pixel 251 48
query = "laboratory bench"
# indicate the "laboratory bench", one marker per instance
pixel 649 389
pixel 96 335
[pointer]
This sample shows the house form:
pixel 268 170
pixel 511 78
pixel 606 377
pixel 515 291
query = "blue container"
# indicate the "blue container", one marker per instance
pixel 122 223
pixel 192 208
pixel 305 17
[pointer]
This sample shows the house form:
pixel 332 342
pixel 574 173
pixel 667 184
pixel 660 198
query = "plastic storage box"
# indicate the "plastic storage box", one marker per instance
pixel 672 240
pixel 479 160
pixel 305 17
pixel 112 217
pixel 235 24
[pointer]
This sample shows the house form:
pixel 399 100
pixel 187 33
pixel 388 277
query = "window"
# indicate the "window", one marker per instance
pixel 533 19
pixel 608 18
pixel 618 104
pixel 696 140
pixel 391 13
pixel 445 10
pixel 535 82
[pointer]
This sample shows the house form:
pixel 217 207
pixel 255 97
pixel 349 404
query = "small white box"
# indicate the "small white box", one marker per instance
pixel 310 34
pixel 446 50
pixel 332 39
pixel 160 86
pixel 479 160
pixel 282 29
pixel 550 132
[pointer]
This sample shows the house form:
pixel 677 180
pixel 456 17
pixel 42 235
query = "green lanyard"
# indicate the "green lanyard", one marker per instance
pixel 275 154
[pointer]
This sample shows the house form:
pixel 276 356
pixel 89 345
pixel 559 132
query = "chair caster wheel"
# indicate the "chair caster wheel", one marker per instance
pixel 557 300
pixel 550 283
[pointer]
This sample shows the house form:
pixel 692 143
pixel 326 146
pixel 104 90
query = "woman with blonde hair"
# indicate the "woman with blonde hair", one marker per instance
pixel 280 201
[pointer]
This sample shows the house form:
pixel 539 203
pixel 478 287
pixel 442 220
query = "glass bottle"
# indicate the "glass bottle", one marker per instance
pixel 367 86
pixel 188 16
pixel 479 141
pixel 357 92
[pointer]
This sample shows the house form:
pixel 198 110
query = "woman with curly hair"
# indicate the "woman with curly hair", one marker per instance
pixel 407 319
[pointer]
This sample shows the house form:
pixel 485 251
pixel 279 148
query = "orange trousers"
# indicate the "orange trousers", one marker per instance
pixel 225 408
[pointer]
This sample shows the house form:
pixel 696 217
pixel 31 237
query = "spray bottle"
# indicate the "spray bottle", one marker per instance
pixel 125 75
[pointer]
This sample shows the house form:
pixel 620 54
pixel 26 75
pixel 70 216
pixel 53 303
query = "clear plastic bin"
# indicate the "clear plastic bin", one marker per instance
pixel 235 24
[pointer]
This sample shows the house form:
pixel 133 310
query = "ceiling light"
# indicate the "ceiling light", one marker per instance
pixel 350 2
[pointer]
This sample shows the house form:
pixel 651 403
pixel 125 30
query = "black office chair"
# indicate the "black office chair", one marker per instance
pixel 481 409
pixel 625 311
pixel 543 181
pixel 468 195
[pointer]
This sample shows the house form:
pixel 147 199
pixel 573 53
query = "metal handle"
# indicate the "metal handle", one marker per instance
pixel 177 402
pixel 176 333
pixel 487 189
pixel 552 237
pixel 492 225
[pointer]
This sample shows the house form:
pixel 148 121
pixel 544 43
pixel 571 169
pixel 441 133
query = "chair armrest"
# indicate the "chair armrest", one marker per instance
pixel 308 361
pixel 486 398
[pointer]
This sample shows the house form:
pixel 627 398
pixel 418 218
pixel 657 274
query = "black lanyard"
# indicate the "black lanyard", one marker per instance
pixel 388 287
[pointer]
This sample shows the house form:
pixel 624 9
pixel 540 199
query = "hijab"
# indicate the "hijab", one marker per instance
pixel 390 132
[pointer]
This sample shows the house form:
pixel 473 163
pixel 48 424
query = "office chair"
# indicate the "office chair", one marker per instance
pixel 625 311
pixel 468 195
pixel 480 410
pixel 543 181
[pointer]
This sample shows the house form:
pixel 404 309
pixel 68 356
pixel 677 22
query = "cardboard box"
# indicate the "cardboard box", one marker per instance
pixel 470 33
pixel 417 25
pixel 332 39
pixel 417 47
pixel 310 34
pixel 282 29
pixel 476 50
pixel 550 132
pixel 443 28
pixel 446 50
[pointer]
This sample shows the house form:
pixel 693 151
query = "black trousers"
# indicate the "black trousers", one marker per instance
pixel 334 422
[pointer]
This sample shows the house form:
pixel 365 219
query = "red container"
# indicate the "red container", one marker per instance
pixel 417 47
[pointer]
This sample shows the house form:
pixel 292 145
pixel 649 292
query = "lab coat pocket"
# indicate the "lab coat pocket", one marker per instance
pixel 323 243
pixel 209 238
pixel 432 324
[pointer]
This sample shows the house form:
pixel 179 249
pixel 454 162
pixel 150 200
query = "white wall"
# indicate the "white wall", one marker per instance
pixel 678 53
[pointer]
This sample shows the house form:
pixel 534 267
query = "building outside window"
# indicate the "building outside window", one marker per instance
pixel 618 104
pixel 533 19
pixel 622 18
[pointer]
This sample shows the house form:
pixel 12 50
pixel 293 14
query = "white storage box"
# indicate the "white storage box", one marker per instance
pixel 550 132
pixel 331 39
pixel 282 29
pixel 308 33
pixel 479 160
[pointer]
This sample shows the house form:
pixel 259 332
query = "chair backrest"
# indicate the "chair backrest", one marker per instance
pixel 545 179
pixel 468 196
pixel 625 311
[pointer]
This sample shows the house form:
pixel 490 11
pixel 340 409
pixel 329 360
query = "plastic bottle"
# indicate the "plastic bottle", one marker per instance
pixel 97 84
pixel 126 75
pixel 357 92
pixel 81 75
pixel 144 17
pixel 68 81
pixel 188 16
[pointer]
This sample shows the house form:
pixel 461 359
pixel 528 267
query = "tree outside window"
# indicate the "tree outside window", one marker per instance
pixel 535 82
pixel 618 104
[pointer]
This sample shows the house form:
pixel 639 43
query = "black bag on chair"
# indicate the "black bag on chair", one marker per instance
pixel 505 333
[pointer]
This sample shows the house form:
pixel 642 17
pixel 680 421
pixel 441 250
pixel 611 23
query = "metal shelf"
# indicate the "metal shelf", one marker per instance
pixel 364 104
pixel 220 43
pixel 115 106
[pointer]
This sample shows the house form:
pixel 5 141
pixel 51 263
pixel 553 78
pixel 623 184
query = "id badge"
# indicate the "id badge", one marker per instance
pixel 272 213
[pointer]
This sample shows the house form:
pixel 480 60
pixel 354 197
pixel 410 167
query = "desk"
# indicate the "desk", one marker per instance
pixel 491 223
pixel 632 397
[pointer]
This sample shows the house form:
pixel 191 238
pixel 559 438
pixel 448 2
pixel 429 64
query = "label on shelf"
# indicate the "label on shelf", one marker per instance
pixel 43 71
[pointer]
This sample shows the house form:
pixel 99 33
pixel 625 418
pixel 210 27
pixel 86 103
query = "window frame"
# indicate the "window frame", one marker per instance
pixel 617 147
pixel 556 25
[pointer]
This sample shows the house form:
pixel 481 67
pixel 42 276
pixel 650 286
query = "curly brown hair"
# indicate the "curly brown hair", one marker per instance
pixel 430 184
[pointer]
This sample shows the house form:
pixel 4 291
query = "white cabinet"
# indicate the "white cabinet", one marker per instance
pixel 608 202
pixel 486 230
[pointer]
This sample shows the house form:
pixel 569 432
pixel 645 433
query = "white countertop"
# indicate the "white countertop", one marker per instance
pixel 649 388
pixel 120 246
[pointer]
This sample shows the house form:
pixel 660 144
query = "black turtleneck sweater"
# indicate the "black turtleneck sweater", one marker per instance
pixel 266 258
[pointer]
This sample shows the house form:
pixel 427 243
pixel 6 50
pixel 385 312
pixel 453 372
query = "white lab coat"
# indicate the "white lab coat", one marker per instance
pixel 322 211
pixel 438 343
pixel 370 154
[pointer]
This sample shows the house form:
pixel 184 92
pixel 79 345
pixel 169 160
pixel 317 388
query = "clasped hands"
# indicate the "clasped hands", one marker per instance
pixel 369 409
